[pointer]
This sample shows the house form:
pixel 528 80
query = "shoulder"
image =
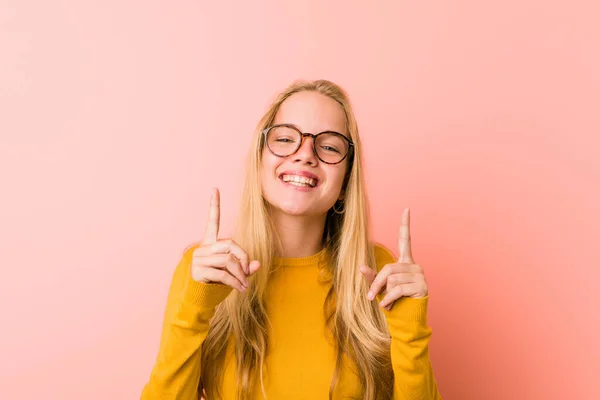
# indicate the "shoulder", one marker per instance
pixel 383 256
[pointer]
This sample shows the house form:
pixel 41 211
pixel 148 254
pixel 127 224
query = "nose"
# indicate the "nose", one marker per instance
pixel 306 153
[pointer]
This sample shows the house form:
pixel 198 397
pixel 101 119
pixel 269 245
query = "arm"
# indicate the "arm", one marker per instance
pixel 190 306
pixel 413 374
pixel 410 335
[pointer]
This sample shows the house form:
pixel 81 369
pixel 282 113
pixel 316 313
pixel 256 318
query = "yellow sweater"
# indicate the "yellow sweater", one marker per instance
pixel 301 360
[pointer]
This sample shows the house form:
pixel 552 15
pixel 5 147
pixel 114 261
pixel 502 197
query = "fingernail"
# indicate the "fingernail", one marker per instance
pixel 370 295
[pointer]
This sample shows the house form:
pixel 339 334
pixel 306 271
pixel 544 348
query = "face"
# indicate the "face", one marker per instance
pixel 310 112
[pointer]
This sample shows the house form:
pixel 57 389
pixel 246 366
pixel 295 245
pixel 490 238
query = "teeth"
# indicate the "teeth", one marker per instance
pixel 299 184
pixel 299 180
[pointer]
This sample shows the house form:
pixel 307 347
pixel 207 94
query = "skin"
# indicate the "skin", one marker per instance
pixel 403 278
pixel 299 215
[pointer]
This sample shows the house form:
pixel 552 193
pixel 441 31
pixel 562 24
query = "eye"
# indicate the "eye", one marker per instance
pixel 284 140
pixel 331 143
pixel 330 148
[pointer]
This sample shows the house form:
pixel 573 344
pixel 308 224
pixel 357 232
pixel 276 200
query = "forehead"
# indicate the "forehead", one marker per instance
pixel 312 112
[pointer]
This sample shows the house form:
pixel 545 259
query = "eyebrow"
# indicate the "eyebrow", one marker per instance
pixel 303 131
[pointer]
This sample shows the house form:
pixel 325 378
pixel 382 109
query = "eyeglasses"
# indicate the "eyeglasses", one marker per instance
pixel 285 139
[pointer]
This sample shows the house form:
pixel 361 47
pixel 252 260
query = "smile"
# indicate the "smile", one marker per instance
pixel 300 181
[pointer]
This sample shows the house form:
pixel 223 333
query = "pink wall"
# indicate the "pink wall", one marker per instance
pixel 118 116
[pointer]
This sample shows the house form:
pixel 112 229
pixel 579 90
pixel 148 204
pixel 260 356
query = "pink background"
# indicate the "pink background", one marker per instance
pixel 117 117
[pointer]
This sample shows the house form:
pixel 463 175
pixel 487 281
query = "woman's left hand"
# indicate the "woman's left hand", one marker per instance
pixel 403 278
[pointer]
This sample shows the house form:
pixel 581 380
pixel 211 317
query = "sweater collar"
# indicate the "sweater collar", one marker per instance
pixel 318 259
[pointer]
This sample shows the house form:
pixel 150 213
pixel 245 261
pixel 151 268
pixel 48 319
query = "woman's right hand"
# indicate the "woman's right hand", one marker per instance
pixel 221 260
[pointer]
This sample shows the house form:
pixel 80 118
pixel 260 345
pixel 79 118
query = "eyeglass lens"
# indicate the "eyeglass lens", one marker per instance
pixel 284 141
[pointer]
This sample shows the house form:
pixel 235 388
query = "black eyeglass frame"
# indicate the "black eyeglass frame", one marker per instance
pixel 307 134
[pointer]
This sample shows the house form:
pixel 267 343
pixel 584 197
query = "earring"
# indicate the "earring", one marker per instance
pixel 339 212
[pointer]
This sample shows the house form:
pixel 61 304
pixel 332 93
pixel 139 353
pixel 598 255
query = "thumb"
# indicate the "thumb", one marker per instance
pixel 253 267
pixel 369 274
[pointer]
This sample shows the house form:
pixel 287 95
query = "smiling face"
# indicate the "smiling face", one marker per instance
pixel 301 184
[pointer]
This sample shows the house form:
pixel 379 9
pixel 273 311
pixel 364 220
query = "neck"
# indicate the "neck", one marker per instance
pixel 300 236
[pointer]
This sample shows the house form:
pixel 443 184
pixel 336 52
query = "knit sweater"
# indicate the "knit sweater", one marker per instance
pixel 301 358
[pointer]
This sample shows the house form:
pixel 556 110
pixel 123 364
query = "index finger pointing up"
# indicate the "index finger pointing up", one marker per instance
pixel 404 239
pixel 214 215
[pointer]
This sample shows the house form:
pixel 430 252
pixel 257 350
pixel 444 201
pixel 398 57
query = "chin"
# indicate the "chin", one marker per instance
pixel 303 210
pixel 293 203
pixel 295 210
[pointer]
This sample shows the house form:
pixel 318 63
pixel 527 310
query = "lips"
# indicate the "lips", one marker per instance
pixel 299 178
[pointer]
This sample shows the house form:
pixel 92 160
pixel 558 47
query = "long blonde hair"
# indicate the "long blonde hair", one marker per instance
pixel 357 325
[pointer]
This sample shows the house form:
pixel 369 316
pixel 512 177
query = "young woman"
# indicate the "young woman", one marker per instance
pixel 299 304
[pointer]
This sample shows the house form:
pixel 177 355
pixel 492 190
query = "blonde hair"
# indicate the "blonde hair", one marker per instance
pixel 358 326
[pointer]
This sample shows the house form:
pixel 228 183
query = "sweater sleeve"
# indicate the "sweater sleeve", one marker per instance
pixel 410 335
pixel 190 306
